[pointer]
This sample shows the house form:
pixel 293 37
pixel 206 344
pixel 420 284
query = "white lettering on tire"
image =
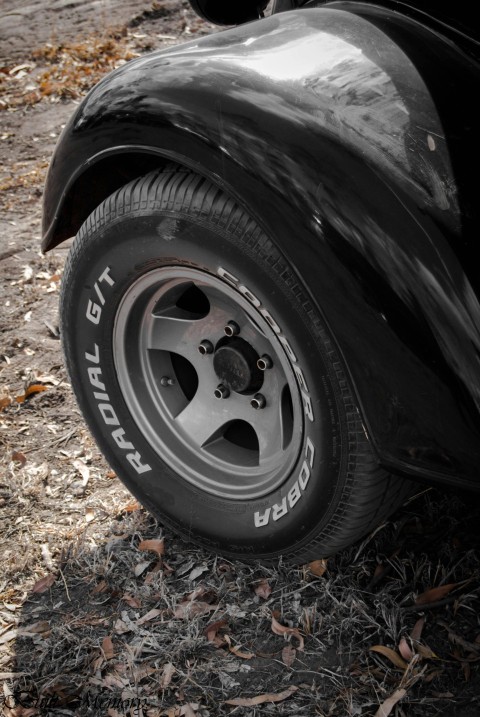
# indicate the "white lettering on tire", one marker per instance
pixel 278 510
pixel 94 309
pixel 109 415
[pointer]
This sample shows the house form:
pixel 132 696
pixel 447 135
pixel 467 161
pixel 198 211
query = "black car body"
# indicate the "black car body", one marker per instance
pixel 348 131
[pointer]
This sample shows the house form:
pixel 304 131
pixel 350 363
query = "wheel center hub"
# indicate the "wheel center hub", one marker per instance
pixel 235 363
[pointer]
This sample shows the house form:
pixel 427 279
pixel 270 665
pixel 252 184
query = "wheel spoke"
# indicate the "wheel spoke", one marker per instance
pixel 272 424
pixel 204 417
pixel 271 433
pixel 179 333
pixel 173 333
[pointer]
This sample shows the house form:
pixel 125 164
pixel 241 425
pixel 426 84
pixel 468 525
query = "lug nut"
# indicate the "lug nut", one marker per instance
pixel 232 329
pixel 264 362
pixel 167 381
pixel 258 401
pixel 221 391
pixel 206 347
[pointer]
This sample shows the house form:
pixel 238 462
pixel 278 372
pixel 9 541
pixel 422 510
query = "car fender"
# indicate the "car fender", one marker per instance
pixel 331 127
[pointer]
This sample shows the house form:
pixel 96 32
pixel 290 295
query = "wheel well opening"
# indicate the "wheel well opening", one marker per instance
pixel 95 184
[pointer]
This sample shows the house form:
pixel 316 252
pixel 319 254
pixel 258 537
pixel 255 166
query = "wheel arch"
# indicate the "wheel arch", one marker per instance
pixel 92 183
pixel 339 190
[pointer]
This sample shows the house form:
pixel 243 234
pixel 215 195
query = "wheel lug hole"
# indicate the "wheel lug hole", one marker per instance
pixel 221 391
pixel 205 347
pixel 232 329
pixel 264 362
pixel 258 401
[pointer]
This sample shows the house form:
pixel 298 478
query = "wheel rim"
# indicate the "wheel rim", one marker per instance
pixel 207 382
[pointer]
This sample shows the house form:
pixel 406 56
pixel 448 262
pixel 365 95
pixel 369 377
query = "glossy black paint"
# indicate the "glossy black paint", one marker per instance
pixel 458 20
pixel 349 132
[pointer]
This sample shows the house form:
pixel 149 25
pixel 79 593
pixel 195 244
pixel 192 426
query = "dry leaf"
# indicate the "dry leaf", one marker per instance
pixel 416 633
pixel 289 654
pixel 435 594
pixel 196 572
pixel 42 627
pixel 279 629
pixel 139 673
pixel 131 507
pixel 405 650
pixel 83 469
pixel 318 567
pixel 237 651
pixel 89 515
pixel 157 546
pixel 141 567
pixel 107 647
pixel 425 652
pixel 263 590
pixel 121 627
pixel 166 676
pixel 100 587
pixel 8 636
pixel 4 402
pixel 261 699
pixel 18 457
pixel 386 707
pixel 211 632
pixel 202 591
pixel 43 584
pixel 31 390
pixel 193 609
pixel 150 576
pixel 20 711
pixel 151 615
pixel 393 656
pixel 132 601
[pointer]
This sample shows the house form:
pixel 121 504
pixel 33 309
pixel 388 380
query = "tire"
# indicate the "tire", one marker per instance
pixel 209 380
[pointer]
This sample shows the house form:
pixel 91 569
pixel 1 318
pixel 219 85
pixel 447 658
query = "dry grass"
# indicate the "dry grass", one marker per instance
pixel 101 619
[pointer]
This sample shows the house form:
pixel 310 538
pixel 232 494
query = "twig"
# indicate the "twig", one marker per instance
pixel 65 583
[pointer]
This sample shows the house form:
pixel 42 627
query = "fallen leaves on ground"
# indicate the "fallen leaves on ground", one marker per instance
pixel 191 606
pixel 391 655
pixel 156 546
pixel 387 706
pixel 236 650
pixel 435 594
pixel 263 589
pixel 211 632
pixel 64 70
pixel 318 567
pixel 107 647
pixel 289 654
pixel 44 584
pixel 279 629
pixel 30 391
pixel 261 699
pixel 167 675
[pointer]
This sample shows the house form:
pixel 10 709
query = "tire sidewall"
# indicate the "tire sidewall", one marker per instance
pixel 120 250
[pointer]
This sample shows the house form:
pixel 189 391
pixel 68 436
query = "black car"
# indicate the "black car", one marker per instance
pixel 270 313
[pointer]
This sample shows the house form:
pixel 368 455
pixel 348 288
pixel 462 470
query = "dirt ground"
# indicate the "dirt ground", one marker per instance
pixel 102 610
